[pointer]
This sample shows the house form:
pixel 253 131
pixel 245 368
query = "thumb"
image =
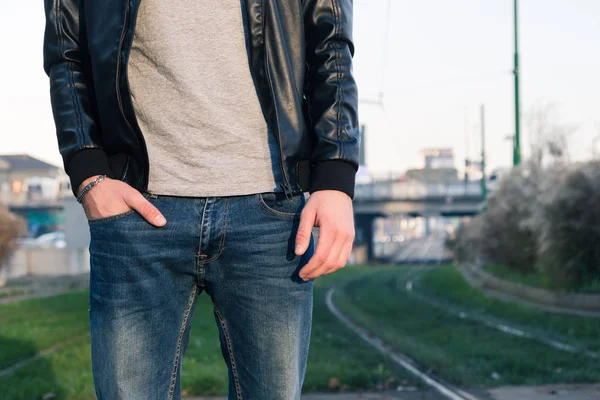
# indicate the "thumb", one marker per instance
pixel 138 202
pixel 307 222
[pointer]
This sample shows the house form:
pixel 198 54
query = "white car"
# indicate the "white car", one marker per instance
pixel 48 240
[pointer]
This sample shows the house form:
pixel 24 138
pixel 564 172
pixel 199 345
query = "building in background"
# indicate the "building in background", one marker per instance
pixel 437 165
pixel 434 158
pixel 34 190
pixel 57 238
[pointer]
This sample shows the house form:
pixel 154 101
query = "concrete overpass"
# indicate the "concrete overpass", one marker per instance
pixel 414 199
pixel 418 198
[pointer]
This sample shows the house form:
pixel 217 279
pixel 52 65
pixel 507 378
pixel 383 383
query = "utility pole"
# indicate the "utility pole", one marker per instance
pixel 517 140
pixel 483 176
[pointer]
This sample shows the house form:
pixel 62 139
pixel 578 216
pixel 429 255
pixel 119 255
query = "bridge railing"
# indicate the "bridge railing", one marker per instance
pixel 415 190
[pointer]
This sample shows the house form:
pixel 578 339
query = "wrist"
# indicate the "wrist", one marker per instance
pixel 93 181
pixel 86 163
pixel 85 182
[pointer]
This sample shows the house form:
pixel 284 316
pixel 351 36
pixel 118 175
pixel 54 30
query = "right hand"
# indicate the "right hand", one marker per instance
pixel 113 196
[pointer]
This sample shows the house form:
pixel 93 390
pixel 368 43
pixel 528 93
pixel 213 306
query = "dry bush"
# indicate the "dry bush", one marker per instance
pixel 505 234
pixel 466 242
pixel 546 219
pixel 568 224
pixel 11 226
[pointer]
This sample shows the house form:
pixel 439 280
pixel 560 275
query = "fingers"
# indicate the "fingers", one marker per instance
pixel 320 256
pixel 332 253
pixel 307 222
pixel 342 258
pixel 333 262
pixel 138 202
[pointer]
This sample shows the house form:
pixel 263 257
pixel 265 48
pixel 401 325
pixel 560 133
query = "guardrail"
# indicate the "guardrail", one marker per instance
pixel 416 190
pixel 18 202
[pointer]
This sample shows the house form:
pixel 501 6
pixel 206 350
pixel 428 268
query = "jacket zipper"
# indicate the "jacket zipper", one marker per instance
pixel 141 143
pixel 285 185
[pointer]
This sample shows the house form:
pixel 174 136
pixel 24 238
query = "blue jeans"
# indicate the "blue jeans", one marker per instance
pixel 145 281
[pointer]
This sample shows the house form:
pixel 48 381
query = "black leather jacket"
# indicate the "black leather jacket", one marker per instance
pixel 300 55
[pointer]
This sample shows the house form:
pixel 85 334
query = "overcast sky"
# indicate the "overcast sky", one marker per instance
pixel 444 58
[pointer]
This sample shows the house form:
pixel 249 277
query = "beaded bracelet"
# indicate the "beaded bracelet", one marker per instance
pixel 89 186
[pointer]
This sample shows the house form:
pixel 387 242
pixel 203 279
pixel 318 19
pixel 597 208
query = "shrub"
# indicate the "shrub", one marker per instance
pixel 505 235
pixel 466 241
pixel 568 225
pixel 547 219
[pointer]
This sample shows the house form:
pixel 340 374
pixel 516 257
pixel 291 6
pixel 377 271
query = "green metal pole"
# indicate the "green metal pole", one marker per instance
pixel 483 176
pixel 517 141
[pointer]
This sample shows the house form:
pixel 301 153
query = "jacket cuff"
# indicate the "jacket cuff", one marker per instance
pixel 86 163
pixel 333 175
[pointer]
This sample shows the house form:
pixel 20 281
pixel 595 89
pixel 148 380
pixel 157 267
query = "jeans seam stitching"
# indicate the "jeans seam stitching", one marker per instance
pixel 274 212
pixel 182 330
pixel 238 389
pixel 202 228
pixel 110 218
pixel 224 229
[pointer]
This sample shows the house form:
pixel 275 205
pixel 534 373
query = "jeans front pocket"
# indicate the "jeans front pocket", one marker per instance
pixel 96 221
pixel 275 203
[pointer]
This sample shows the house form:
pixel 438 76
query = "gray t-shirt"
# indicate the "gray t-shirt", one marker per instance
pixel 196 103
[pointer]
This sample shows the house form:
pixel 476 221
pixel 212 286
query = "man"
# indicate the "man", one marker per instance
pixel 190 130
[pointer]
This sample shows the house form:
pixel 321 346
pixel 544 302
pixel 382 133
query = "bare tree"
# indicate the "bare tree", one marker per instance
pixel 548 136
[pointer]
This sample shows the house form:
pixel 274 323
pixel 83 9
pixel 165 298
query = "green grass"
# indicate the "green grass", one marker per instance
pixel 448 285
pixel 462 351
pixel 65 374
pixel 538 280
pixel 31 326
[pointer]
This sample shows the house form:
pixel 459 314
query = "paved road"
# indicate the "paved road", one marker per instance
pixel 548 392
pixel 430 249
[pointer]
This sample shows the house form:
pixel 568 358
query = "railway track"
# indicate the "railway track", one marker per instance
pixel 427 252
pixel 445 390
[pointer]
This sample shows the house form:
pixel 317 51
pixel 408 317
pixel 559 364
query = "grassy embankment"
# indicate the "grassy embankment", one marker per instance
pixel 538 280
